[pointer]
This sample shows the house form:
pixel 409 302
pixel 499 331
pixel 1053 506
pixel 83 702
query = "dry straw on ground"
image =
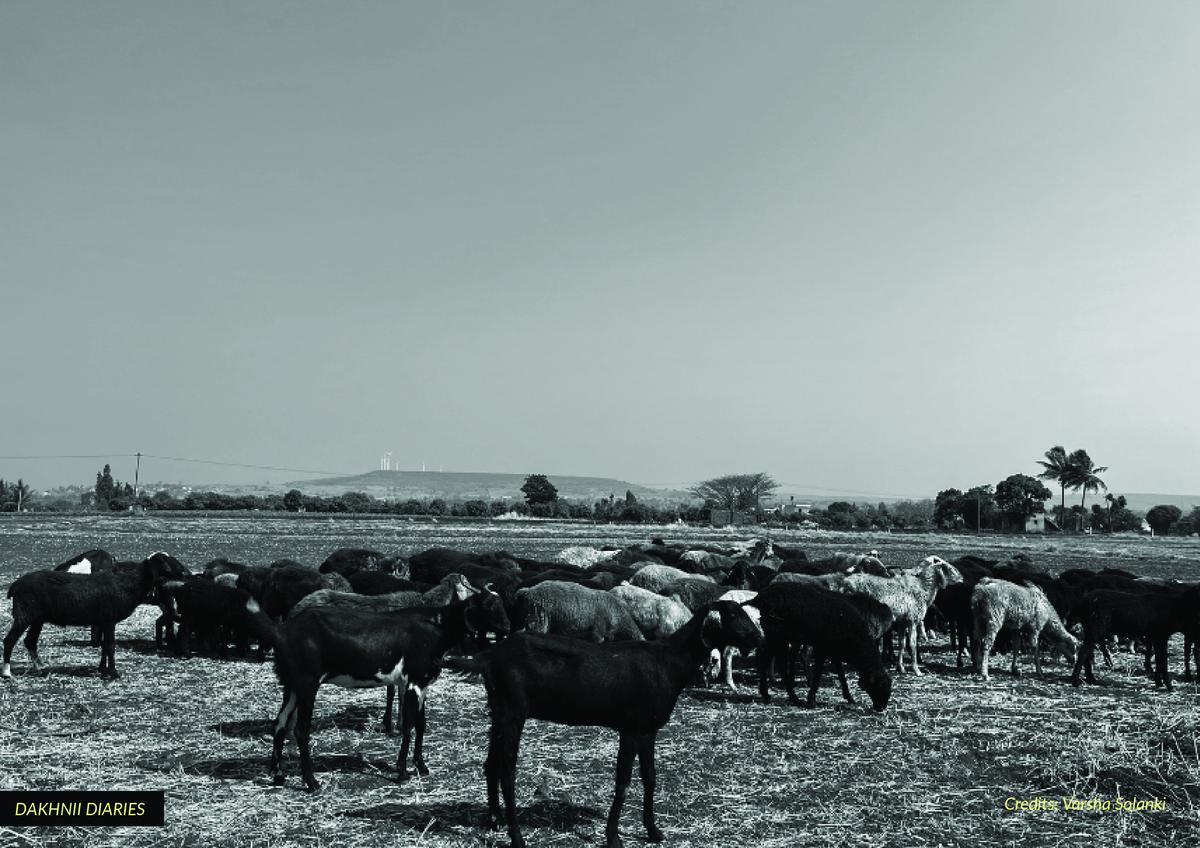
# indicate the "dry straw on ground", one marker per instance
pixel 934 769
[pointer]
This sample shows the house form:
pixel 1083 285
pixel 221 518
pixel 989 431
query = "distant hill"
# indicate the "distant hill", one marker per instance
pixel 1142 501
pixel 458 486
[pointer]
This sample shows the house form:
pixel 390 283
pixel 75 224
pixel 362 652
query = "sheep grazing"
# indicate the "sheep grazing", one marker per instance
pixel 356 649
pixel 629 687
pixel 1154 616
pixel 908 595
pixel 999 605
pixel 693 592
pixel 60 597
pixel 568 609
pixel 795 614
pixel 657 617
pixel 656 578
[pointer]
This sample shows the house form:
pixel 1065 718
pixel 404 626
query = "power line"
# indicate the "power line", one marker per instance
pixel 248 465
pixel 184 459
pixel 76 456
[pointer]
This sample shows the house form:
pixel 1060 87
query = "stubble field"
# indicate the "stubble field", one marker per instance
pixel 934 769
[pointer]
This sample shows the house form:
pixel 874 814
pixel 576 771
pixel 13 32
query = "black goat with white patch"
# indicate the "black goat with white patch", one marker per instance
pixel 630 687
pixel 358 649
pixel 91 600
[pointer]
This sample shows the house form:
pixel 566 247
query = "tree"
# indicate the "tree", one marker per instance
pixel 1020 495
pixel 106 488
pixel 736 491
pixel 947 506
pixel 977 504
pixel 293 501
pixel 539 490
pixel 1163 517
pixel 1084 475
pixel 1057 467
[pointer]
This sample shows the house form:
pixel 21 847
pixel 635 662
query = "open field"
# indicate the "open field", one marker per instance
pixel 934 769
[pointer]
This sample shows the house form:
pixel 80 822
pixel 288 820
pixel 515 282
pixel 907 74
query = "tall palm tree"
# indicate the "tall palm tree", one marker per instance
pixel 1057 467
pixel 1085 474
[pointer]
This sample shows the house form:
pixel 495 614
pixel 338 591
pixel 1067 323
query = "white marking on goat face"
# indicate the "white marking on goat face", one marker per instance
pixel 252 606
pixel 84 566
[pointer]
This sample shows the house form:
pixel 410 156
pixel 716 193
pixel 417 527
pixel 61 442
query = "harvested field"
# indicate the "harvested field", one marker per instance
pixel 934 769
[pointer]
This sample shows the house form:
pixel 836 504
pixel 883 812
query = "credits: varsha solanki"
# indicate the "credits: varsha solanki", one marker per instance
pixel 1085 805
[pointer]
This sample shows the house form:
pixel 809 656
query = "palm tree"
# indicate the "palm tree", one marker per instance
pixel 1085 474
pixel 1057 467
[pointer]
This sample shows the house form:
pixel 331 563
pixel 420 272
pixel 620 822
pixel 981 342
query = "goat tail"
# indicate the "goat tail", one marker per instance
pixel 265 629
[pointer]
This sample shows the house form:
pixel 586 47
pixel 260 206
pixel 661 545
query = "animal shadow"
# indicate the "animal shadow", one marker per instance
pixel 546 812
pixel 722 695
pixel 350 718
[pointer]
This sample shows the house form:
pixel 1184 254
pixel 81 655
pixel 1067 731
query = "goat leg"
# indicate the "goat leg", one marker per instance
pixel 419 749
pixel 304 710
pixel 284 722
pixel 790 675
pixel 388 726
pixel 818 668
pixel 764 656
pixel 625 754
pixel 31 643
pixel 649 778
pixel 841 673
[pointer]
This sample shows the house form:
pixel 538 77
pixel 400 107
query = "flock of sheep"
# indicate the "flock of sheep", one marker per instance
pixel 603 637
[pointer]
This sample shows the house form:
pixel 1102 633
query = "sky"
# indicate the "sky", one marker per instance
pixel 873 247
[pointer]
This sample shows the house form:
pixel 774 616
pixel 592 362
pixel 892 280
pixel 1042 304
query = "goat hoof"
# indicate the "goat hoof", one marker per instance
pixel 422 770
pixel 277 779
pixel 312 786
pixel 653 834
pixel 614 841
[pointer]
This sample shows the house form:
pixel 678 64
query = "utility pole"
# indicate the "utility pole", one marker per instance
pixel 137 470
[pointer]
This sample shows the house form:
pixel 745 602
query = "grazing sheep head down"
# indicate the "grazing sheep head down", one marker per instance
pixel 877 684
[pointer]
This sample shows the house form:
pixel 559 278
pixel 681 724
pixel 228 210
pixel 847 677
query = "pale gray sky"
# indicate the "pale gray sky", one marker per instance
pixel 891 247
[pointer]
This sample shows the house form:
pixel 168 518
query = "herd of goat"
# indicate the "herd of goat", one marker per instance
pixel 604 637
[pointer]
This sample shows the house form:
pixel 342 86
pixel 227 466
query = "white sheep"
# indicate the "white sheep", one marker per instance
pixel 908 595
pixel 1000 605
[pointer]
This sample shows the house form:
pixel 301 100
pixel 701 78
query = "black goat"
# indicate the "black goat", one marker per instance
pixel 366 582
pixel 215 568
pixel 59 597
pixel 630 687
pixel 347 561
pixel 796 614
pixel 1155 617
pixel 208 613
pixel 357 649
